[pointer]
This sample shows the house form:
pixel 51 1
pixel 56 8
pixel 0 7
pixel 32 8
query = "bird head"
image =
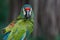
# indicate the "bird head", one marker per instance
pixel 26 11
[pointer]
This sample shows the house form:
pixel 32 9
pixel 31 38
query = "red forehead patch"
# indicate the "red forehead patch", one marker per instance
pixel 27 8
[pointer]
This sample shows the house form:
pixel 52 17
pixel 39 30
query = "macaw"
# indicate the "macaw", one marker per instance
pixel 22 28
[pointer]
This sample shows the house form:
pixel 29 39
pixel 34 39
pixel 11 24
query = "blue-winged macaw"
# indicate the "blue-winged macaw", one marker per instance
pixel 21 29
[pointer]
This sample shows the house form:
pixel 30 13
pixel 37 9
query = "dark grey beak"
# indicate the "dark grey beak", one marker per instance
pixel 27 15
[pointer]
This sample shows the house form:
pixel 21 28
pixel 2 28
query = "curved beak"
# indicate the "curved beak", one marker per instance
pixel 27 15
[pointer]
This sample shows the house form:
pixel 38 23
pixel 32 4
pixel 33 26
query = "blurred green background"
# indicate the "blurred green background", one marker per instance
pixel 4 12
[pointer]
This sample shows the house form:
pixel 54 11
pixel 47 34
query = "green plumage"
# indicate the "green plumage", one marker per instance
pixel 20 29
pixel 23 27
